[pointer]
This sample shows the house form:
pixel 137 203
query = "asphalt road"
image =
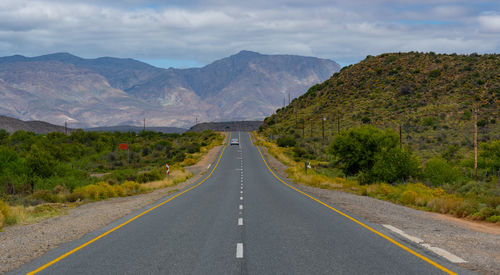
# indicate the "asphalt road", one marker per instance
pixel 241 220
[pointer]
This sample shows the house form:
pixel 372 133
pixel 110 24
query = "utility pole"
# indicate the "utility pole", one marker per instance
pixel 338 122
pixel 196 121
pixel 284 102
pixel 311 127
pixel 475 144
pixel 400 137
pixel 66 128
pixel 144 128
pixel 288 98
pixel 323 126
pixel 303 128
pixel 296 118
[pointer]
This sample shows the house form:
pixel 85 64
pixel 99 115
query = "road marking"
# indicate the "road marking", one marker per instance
pixel 445 254
pixel 358 222
pixel 241 206
pixel 239 250
pixel 402 233
pixel 250 136
pixel 128 221
pixel 441 252
pixel 240 221
pixel 241 192
pixel 241 198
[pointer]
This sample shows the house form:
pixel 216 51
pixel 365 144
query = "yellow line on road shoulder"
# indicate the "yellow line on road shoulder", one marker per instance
pixel 250 136
pixel 442 268
pixel 128 221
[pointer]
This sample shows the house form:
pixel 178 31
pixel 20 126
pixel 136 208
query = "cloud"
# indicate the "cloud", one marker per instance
pixel 490 21
pixel 202 31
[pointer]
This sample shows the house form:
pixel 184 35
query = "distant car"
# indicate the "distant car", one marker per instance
pixel 235 141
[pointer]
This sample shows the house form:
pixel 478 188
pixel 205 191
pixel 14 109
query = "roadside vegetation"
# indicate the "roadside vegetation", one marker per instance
pixel 400 127
pixel 397 175
pixel 42 175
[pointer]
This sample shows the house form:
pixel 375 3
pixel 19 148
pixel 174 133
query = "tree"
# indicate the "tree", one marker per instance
pixel 356 149
pixel 40 162
pixel 392 165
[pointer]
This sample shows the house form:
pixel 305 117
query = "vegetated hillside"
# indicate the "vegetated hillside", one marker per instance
pixel 116 91
pixel 12 125
pixel 432 97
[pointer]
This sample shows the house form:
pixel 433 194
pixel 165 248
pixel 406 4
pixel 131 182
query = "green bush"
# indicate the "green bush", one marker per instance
pixel 286 141
pixel 394 165
pixel 356 149
pixel 438 171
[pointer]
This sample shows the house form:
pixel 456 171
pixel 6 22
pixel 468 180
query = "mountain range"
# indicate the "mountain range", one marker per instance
pixel 107 91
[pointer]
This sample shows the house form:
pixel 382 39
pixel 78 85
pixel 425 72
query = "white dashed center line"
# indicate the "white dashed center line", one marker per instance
pixel 239 250
pixel 241 198
pixel 241 206
pixel 240 221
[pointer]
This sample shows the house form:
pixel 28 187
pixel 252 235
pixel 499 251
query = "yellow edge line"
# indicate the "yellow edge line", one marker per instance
pixel 123 224
pixel 250 136
pixel 362 224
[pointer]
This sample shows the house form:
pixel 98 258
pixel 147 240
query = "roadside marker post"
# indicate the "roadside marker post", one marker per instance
pixel 167 168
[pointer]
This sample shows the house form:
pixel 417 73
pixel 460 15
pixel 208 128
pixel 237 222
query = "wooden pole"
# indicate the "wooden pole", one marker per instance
pixel 400 137
pixel 323 127
pixel 311 127
pixel 475 144
pixel 338 122
pixel 303 128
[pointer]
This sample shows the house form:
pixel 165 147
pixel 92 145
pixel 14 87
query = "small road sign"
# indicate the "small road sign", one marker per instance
pixel 167 167
pixel 123 146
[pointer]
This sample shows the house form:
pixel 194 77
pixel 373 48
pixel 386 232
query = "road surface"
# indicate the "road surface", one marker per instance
pixel 240 220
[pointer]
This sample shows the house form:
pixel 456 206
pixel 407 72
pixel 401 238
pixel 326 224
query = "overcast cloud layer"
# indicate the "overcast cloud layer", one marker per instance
pixel 187 33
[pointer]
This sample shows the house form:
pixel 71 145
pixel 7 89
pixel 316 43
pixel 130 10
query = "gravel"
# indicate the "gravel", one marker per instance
pixel 476 242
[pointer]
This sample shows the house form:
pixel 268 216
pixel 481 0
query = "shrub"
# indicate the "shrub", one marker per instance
pixel 6 215
pixel 394 165
pixel 356 149
pixel 286 141
pixel 437 171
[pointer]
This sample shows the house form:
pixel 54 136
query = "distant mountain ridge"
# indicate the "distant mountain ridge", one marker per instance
pixel 119 91
pixel 12 125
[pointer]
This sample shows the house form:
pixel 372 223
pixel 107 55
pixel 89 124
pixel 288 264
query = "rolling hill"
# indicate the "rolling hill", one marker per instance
pixel 432 96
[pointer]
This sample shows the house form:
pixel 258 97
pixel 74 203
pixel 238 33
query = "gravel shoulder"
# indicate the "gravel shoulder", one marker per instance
pixel 476 242
pixel 20 244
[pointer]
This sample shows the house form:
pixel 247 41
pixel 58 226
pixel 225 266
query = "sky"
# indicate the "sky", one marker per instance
pixel 193 33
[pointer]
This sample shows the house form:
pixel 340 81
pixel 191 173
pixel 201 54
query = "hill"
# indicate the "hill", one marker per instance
pixel 12 125
pixel 120 91
pixel 136 129
pixel 244 126
pixel 432 97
